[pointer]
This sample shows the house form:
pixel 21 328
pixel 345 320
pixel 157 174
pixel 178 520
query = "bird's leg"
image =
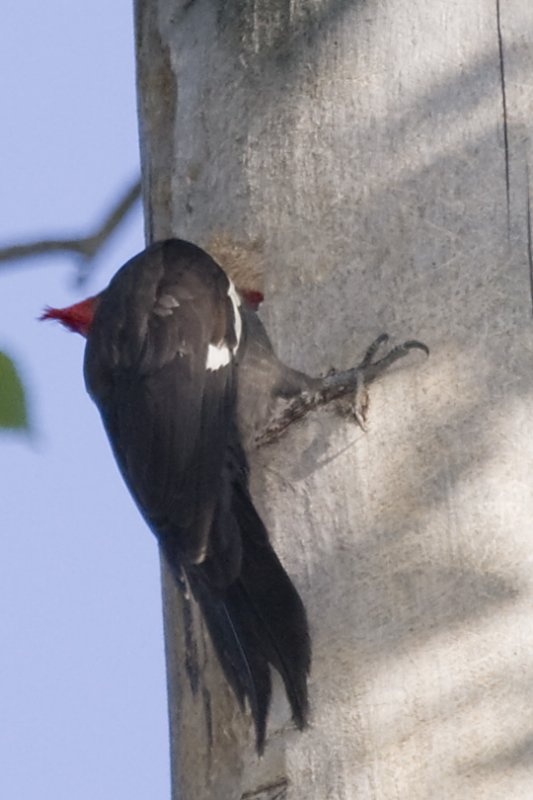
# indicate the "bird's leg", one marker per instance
pixel 352 383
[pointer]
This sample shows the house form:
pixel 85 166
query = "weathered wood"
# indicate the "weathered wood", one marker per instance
pixel 379 153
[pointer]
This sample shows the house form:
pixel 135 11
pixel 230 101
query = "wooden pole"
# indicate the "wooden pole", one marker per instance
pixel 373 156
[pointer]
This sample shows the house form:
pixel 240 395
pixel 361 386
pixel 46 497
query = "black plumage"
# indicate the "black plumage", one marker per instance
pixel 183 375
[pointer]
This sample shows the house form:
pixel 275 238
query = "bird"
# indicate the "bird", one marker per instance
pixel 187 383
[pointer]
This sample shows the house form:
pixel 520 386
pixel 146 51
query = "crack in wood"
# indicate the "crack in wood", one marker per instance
pixel 191 650
pixel 529 236
pixel 504 113
pixel 270 791
pixel 206 695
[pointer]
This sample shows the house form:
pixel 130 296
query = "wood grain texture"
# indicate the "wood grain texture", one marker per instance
pixel 381 153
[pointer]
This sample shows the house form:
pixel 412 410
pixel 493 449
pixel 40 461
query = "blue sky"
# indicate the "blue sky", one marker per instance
pixel 82 684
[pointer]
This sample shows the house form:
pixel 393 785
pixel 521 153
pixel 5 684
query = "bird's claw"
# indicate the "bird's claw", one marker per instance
pixel 368 358
pixel 369 369
pixel 372 368
pixel 359 405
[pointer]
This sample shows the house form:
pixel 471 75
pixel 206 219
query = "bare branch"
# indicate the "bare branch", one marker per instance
pixel 85 246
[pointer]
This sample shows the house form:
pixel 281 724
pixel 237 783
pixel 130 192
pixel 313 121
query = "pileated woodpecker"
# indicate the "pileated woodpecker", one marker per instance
pixel 186 381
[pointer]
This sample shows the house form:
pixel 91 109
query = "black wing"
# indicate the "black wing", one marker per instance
pixel 160 366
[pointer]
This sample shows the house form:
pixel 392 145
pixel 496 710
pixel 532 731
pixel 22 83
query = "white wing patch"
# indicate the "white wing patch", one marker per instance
pixel 219 355
pixel 236 300
pixel 166 305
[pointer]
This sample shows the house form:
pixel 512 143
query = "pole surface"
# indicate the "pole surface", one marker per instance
pixel 374 157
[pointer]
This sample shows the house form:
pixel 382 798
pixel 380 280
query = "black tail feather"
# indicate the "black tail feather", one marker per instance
pixel 257 621
pixel 244 665
pixel 276 610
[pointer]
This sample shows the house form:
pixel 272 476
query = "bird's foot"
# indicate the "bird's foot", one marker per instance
pixel 353 384
pixel 348 389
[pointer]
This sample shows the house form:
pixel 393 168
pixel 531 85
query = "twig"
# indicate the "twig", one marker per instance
pixel 85 246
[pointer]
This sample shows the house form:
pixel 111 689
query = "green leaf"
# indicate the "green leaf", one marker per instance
pixel 13 411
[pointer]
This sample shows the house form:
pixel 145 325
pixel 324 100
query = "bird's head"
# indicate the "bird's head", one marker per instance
pixel 79 317
pixel 252 297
